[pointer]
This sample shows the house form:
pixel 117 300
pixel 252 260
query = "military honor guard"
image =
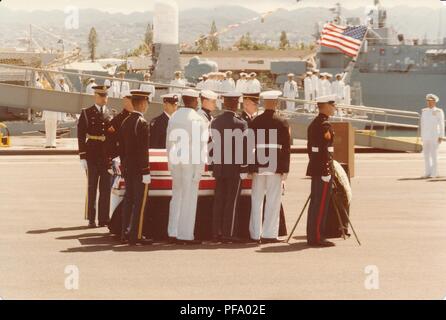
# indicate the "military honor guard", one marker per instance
pixel 320 151
pixel 187 139
pixel 290 91
pixel 93 128
pixel 115 127
pixel 158 125
pixel 272 142
pixel 432 134
pixel 134 143
pixel 228 172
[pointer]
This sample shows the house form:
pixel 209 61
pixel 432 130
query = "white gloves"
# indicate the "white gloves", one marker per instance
pixel 116 163
pixel 284 176
pixel 146 179
pixel 326 178
pixel 84 164
pixel 243 176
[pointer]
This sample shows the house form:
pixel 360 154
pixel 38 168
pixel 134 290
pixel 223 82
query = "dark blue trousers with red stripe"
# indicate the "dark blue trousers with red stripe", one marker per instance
pixel 318 209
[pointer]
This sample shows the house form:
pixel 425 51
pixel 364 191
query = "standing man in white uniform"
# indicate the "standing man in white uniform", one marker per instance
pixel 290 91
pixel 123 86
pixel 308 91
pixel 432 134
pixel 316 82
pixel 272 138
pixel 89 89
pixel 178 81
pixel 338 87
pixel 253 84
pixel 186 143
pixel 148 87
pixel 241 83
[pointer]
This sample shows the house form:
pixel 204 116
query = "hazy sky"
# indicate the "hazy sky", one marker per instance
pixel 258 5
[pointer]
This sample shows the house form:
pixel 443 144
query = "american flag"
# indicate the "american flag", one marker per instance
pixel 346 39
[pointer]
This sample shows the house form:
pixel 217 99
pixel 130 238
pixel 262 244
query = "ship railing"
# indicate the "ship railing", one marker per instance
pixel 372 117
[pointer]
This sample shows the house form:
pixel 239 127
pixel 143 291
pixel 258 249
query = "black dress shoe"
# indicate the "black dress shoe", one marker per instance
pixel 322 244
pixel 270 240
pixel 142 242
pixel 103 224
pixel 171 240
pixel 92 225
pixel 251 241
pixel 189 242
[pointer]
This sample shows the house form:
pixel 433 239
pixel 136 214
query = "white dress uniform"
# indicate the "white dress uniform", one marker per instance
pixel 177 82
pixel 240 86
pixel 186 173
pixel 290 91
pixel 316 84
pixel 51 118
pixel 124 88
pixel 325 88
pixel 253 86
pixel 308 91
pixel 200 85
pixel 113 88
pixel 432 128
pixel 337 89
pixel 89 89
pixel 148 88
pixel 347 95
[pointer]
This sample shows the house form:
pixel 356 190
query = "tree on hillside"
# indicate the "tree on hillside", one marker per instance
pixel 213 42
pixel 93 43
pixel 284 42
pixel 148 37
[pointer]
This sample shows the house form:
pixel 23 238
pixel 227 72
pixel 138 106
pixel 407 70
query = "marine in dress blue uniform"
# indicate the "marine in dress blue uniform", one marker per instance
pixel 158 126
pixel 320 151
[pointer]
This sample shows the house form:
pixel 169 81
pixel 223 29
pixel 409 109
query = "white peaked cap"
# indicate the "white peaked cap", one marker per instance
pixel 233 94
pixel 190 93
pixel 208 94
pixel 326 99
pixel 271 95
pixel 432 96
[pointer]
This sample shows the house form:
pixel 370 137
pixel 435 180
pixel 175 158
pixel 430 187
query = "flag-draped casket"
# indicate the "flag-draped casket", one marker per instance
pixel 160 192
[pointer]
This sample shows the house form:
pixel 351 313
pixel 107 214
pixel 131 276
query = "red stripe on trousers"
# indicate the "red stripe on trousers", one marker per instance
pixel 321 212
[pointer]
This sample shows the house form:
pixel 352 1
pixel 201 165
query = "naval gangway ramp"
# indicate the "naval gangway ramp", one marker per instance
pixel 361 117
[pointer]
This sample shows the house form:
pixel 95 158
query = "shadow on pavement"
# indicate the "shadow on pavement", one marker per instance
pixel 60 229
pixel 293 247
pixel 413 179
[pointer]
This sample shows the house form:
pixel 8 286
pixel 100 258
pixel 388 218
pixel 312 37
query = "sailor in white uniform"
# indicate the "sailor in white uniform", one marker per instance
pixel 208 105
pixel 241 83
pixel 187 138
pixel 123 86
pixel 253 84
pixel 228 84
pixel 432 134
pixel 308 91
pixel 148 87
pixel 178 81
pixel 338 87
pixel 290 91
pixel 316 82
pixel 89 88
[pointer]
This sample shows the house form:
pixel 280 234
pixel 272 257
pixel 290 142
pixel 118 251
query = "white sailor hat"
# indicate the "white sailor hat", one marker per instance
pixel 329 75
pixel 177 73
pixel 290 74
pixel 206 75
pixel 432 96
pixel 243 74
pixel 229 72
pixel 208 94
pixel 327 99
pixel 253 74
pixel 171 97
pixel 91 79
pixel 271 95
pixel 316 70
pixel 309 73
pixel 232 94
pixel 190 93
pixel 338 75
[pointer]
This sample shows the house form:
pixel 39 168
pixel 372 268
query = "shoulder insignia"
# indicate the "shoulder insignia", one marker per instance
pixel 327 135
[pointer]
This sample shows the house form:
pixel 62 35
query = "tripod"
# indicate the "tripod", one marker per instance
pixel 336 207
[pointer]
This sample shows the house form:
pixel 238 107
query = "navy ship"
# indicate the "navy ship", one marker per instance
pixel 390 71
